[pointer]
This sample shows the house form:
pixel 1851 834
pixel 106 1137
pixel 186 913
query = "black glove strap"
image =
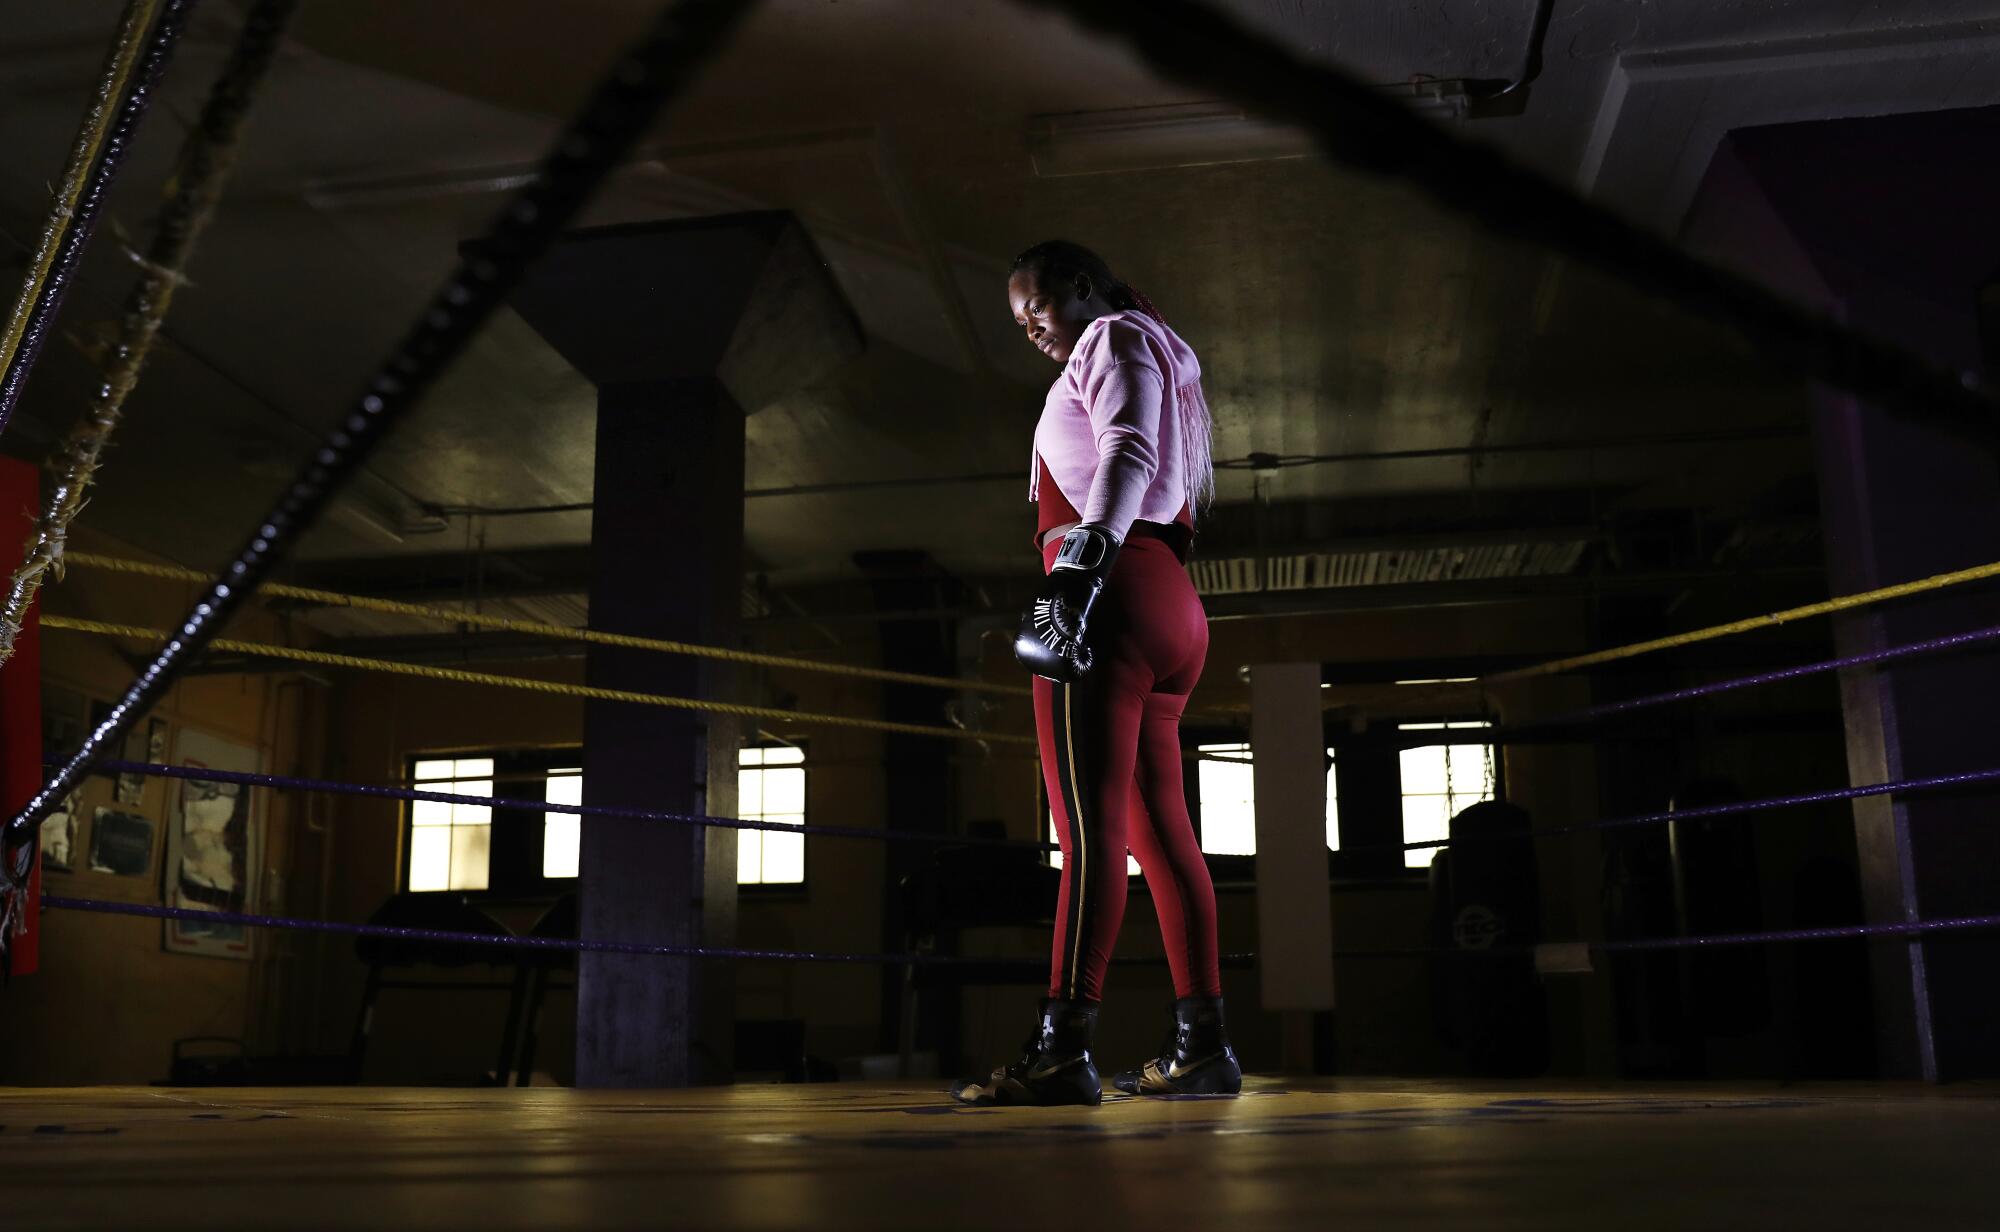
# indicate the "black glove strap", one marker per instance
pixel 1088 548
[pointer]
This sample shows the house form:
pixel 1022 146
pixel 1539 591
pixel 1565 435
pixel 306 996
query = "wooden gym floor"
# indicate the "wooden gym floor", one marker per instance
pixel 1322 1154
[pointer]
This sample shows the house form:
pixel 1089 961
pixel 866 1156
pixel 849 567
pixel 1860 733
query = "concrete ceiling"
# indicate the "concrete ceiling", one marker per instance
pixel 1333 313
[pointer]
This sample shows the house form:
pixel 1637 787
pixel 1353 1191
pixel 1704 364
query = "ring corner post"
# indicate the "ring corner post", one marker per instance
pixel 21 705
pixel 1900 498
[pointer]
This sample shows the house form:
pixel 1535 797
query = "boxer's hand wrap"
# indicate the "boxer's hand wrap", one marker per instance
pixel 1051 642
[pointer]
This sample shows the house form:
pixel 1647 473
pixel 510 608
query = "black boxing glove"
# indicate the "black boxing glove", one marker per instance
pixel 1051 641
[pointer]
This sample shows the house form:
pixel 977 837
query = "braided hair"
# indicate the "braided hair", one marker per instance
pixel 1060 261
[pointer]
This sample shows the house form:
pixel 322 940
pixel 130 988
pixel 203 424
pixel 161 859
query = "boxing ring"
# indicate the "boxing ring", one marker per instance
pixel 1289 1150
pixel 1314 1154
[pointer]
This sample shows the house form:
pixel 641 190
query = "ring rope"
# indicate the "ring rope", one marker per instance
pixel 1782 936
pixel 1824 607
pixel 1936 782
pixel 1831 932
pixel 1538 730
pixel 198 774
pixel 654 69
pixel 1891 654
pixel 195 189
pixel 1839 603
pixel 556 688
pixel 574 945
pixel 1703 812
pixel 578 945
pixel 133 66
pixel 177 573
pixel 1356 125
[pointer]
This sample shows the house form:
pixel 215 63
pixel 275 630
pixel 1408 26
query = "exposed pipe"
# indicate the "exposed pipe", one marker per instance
pixel 1254 461
pixel 1483 89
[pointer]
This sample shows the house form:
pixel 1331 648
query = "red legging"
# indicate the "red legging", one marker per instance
pixel 1111 755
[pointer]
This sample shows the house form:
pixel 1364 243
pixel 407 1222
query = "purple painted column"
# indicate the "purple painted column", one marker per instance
pixel 1886 222
pixel 683 327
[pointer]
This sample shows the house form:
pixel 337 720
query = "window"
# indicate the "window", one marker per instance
pixel 562 833
pixel 1439 780
pixel 499 849
pixel 771 786
pixel 450 843
pixel 1056 857
pixel 1332 805
pixel 1227 782
pixel 1229 801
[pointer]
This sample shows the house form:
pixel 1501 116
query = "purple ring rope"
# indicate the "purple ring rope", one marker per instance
pixel 515 941
pixel 1886 655
pixel 1935 782
pixel 494 940
pixel 383 792
pixel 1783 936
pixel 1833 795
pixel 1909 928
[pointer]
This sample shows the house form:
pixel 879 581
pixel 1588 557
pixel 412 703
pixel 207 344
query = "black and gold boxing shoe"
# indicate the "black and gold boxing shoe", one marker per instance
pixel 1054 1068
pixel 1195 1060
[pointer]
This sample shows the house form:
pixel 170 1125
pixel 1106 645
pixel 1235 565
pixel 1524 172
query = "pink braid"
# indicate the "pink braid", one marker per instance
pixel 1143 304
pixel 1196 424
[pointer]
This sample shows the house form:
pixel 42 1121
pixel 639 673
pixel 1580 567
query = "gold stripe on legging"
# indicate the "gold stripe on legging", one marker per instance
pixel 1082 869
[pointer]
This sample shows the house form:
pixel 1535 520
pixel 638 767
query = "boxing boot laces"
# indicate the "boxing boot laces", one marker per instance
pixel 1195 1059
pixel 1054 1067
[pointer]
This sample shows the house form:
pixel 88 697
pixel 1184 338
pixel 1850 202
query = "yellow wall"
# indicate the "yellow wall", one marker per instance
pixel 109 1000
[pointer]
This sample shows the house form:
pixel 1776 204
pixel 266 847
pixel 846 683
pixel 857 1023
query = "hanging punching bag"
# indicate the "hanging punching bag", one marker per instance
pixel 1486 897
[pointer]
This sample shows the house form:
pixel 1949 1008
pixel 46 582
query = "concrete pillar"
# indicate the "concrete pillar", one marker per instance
pixel 917 787
pixel 1886 222
pixel 684 327
pixel 1294 901
pixel 667 547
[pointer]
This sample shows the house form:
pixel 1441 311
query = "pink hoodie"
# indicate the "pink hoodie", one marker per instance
pixel 1125 426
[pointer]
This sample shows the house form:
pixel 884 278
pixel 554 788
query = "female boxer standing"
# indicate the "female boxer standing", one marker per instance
pixel 1116 639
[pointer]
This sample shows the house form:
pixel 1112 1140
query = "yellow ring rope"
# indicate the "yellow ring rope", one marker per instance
pixel 176 573
pixel 193 192
pixel 1840 603
pixel 90 142
pixel 553 687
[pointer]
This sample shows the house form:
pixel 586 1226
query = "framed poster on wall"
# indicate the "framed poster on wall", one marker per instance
pixel 143 743
pixel 59 837
pixel 121 843
pixel 214 847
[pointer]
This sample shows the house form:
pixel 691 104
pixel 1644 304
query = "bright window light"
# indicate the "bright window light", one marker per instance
pixel 1056 857
pixel 1332 806
pixel 771 786
pixel 1439 782
pixel 1227 782
pixel 562 833
pixel 451 844
pixel 1231 790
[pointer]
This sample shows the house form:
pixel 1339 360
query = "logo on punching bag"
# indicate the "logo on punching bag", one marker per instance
pixel 1477 927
